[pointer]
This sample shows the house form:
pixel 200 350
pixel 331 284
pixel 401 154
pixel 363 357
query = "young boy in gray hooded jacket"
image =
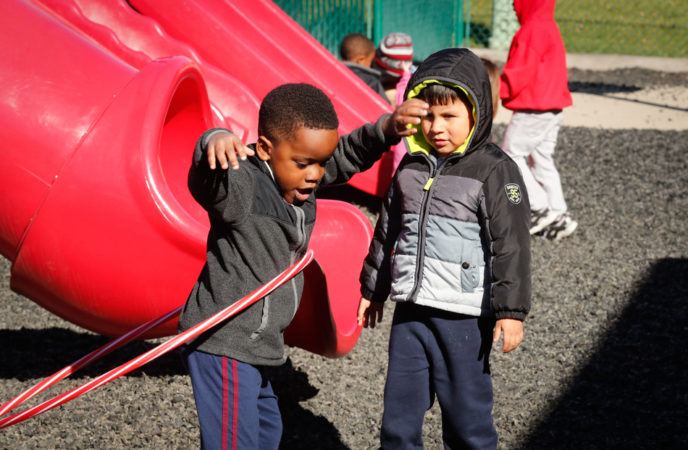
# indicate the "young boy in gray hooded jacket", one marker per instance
pixel 452 249
pixel 262 214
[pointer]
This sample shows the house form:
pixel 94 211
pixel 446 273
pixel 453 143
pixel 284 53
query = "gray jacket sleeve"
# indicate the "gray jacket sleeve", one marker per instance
pixel 357 151
pixel 225 194
pixel 507 219
pixel 376 274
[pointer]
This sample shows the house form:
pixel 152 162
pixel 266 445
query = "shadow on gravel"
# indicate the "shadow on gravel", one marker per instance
pixel 32 354
pixel 302 428
pixel 633 392
pixel 587 87
pixel 606 89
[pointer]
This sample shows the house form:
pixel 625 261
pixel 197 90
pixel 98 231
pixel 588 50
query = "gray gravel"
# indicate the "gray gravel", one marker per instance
pixel 603 364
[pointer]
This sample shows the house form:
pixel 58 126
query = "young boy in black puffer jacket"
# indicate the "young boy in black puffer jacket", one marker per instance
pixel 452 248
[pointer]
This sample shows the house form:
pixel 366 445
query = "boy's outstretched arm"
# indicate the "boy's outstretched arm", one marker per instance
pixel 358 150
pixel 375 277
pixel 506 221
pixel 225 194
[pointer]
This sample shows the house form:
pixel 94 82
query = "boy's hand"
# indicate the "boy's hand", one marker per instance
pixel 408 113
pixel 224 148
pixel 513 333
pixel 369 313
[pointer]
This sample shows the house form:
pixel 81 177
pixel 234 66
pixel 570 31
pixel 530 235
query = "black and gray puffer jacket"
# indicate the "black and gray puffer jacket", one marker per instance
pixel 254 235
pixel 455 237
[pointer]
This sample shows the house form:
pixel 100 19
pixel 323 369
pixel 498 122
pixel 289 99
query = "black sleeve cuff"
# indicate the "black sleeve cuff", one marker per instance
pixel 516 315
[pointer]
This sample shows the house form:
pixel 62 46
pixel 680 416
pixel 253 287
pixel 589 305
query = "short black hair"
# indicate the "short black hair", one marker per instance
pixel 440 94
pixel 292 106
pixel 355 44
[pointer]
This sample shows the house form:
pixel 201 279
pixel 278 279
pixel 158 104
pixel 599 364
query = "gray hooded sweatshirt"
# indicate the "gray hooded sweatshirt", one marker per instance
pixel 254 235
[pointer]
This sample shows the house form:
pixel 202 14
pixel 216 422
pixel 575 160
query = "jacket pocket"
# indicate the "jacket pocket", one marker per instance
pixel 471 267
pixel 265 316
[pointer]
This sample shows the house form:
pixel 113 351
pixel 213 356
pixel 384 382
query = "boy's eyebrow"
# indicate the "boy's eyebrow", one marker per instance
pixel 302 158
pixel 312 160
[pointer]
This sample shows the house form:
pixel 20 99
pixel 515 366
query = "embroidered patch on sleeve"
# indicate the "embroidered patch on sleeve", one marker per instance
pixel 513 193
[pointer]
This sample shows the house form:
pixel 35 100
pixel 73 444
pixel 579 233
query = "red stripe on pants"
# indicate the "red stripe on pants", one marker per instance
pixel 235 413
pixel 225 403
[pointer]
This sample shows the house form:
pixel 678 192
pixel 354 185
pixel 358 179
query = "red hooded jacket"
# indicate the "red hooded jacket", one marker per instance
pixel 534 77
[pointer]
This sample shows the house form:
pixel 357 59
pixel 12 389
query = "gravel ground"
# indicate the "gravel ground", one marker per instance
pixel 602 366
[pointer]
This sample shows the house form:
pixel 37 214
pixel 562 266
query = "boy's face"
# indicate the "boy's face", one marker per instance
pixel 446 127
pixel 298 161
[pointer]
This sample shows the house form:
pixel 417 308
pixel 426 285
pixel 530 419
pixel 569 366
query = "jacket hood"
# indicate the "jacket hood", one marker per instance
pixel 458 68
pixel 527 10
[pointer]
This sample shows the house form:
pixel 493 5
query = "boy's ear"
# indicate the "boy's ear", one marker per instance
pixel 264 148
pixel 364 60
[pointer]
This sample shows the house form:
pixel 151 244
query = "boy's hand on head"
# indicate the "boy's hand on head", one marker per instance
pixel 408 113
pixel 369 313
pixel 513 333
pixel 226 149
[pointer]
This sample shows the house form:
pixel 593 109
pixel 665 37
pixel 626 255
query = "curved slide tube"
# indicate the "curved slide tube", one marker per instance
pixel 243 48
pixel 95 213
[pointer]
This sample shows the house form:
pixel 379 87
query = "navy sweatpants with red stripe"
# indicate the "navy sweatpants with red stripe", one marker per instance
pixel 237 408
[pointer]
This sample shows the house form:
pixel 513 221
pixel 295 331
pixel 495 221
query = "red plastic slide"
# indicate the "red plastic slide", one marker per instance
pixel 99 114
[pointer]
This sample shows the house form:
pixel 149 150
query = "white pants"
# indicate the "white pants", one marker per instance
pixel 530 139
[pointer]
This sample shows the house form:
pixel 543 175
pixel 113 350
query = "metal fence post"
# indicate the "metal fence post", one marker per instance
pixel 504 24
pixel 377 20
pixel 459 26
pixel 369 15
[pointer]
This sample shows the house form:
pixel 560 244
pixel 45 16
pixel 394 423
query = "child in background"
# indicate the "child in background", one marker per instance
pixel 535 87
pixel 394 58
pixel 261 218
pixel 493 75
pixel 357 53
pixel 451 248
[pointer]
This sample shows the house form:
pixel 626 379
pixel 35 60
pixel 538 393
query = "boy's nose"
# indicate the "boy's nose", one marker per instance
pixel 315 173
pixel 437 126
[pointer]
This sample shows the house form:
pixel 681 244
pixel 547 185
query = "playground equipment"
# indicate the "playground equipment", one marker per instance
pixel 99 114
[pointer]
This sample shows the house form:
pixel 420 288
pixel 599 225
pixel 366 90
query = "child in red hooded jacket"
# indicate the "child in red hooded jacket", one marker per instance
pixel 535 87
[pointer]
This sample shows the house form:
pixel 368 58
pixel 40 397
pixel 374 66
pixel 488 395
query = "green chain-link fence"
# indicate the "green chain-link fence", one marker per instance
pixel 330 20
pixel 432 28
pixel 642 27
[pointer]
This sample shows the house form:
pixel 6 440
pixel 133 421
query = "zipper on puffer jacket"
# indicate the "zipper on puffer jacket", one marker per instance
pixel 425 201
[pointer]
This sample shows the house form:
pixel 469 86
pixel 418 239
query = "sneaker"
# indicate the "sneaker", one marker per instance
pixel 540 219
pixel 563 226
